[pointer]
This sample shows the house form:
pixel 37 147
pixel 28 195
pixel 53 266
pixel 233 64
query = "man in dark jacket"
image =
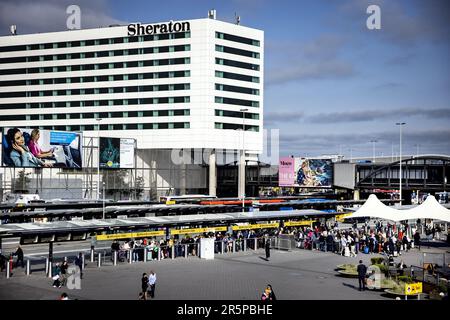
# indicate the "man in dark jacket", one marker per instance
pixel 362 270
pixel 19 254
pixel 79 263
pixel 267 246
pixel 417 239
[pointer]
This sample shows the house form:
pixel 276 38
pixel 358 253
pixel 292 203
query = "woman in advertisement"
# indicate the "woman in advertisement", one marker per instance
pixel 20 154
pixel 34 146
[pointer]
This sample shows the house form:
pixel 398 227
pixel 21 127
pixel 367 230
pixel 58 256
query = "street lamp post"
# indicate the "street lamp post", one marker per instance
pixel 373 149
pixel 400 171
pixel 104 184
pixel 98 158
pixel 243 157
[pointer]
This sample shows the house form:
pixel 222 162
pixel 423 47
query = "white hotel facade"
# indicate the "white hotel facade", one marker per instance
pixel 192 89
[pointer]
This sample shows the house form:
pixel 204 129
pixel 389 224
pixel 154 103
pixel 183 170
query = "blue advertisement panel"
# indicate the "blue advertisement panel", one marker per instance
pixel 28 148
pixel 313 172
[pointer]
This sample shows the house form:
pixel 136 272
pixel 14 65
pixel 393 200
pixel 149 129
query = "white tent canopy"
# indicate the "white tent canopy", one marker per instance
pixel 374 208
pixel 429 209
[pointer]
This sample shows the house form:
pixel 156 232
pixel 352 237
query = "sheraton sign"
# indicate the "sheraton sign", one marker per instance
pixel 137 29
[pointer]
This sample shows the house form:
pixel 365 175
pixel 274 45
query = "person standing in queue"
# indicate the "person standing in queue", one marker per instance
pixel 267 247
pixel 362 270
pixel 417 239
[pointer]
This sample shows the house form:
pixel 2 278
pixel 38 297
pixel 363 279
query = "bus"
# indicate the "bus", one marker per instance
pixel 188 198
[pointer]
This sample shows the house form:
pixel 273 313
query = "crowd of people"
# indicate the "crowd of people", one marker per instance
pixel 389 238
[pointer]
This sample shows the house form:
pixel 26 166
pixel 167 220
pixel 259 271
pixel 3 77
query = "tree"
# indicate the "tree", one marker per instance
pixel 21 182
pixel 139 187
pixel 115 183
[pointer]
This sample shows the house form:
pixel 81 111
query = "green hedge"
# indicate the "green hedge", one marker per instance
pixel 377 260
pixel 384 269
pixel 406 279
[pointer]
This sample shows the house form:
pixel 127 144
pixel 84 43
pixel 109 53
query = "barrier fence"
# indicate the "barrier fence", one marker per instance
pixel 104 256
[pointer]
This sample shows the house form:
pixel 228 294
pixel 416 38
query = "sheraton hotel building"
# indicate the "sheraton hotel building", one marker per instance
pixel 191 85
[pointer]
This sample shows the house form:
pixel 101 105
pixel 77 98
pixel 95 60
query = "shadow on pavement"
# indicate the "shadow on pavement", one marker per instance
pixel 350 286
pixel 265 259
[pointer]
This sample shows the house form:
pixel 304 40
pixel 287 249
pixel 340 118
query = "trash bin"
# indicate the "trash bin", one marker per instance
pixel 366 250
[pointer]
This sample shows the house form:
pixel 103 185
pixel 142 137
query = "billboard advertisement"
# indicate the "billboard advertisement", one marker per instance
pixel 27 148
pixel 286 176
pixel 305 173
pixel 313 172
pixel 116 153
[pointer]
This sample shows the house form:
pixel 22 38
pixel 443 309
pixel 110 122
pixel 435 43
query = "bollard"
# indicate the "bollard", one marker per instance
pixel 99 262
pixel 159 253
pixel 82 261
pixel 8 271
pixel 28 268
pixel 115 258
pixel 173 252
pixel 256 243
pixel 234 246
pixel 130 255
pixel 145 254
pixel 221 247
pixel 46 266
pixel 50 271
pixel 245 244
pixel 185 250
pixel 92 254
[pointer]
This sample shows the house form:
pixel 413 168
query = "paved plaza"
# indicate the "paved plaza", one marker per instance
pixel 294 275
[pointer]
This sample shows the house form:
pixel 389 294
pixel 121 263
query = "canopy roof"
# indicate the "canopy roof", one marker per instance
pixel 429 209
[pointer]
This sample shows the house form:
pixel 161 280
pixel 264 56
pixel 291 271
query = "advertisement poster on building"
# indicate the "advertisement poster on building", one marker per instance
pixel 116 153
pixel 32 147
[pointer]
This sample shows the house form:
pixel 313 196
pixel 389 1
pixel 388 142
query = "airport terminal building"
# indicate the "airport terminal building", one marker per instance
pixel 192 84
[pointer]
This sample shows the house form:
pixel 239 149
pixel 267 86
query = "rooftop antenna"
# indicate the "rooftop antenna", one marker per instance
pixel 238 18
pixel 212 14
pixel 13 29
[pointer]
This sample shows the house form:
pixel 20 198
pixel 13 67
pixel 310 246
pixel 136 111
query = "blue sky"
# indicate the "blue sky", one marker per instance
pixel 330 83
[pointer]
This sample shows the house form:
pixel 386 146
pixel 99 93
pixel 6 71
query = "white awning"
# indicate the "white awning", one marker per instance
pixel 429 209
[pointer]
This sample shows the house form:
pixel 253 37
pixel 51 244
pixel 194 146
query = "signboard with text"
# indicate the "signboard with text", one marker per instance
pixel 413 288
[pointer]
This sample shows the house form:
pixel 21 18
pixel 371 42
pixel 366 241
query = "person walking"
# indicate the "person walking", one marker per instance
pixel 19 254
pixel 362 270
pixel 79 263
pixel 267 247
pixel 152 283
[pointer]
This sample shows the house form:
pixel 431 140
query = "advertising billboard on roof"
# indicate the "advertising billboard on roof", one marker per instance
pixel 305 173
